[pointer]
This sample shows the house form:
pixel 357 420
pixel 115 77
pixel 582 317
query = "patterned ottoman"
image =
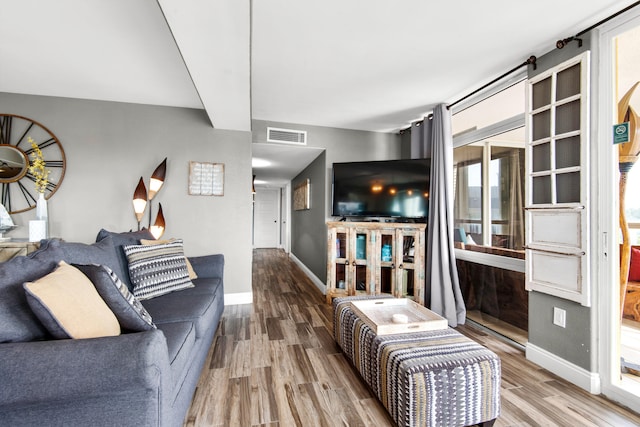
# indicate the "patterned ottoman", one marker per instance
pixel 434 378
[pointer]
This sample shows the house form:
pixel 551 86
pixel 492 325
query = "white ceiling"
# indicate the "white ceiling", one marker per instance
pixel 372 65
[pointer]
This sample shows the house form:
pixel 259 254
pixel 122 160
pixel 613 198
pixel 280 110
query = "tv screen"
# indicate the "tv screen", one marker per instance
pixel 391 188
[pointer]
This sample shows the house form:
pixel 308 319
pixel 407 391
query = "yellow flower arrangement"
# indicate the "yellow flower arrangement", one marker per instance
pixel 37 167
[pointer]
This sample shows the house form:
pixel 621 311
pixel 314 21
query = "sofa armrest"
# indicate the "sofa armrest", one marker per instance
pixel 208 266
pixel 47 371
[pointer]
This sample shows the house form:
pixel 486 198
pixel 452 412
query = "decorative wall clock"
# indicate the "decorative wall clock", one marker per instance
pixel 18 193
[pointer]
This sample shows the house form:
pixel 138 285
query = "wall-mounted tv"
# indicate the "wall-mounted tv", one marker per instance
pixel 391 188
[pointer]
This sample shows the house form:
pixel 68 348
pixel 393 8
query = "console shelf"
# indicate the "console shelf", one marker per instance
pixel 371 258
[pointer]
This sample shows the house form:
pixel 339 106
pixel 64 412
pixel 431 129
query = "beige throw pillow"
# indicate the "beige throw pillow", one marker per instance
pixel 68 305
pixel 192 273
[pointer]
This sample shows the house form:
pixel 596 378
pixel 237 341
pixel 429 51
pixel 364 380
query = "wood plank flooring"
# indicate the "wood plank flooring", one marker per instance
pixel 275 363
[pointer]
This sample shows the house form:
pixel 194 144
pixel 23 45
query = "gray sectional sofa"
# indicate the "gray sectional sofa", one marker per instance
pixel 134 379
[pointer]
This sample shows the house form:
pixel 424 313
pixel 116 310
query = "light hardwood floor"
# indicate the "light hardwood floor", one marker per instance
pixel 274 363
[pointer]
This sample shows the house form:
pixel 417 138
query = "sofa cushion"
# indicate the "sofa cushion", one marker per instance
pixel 120 240
pixel 102 253
pixel 131 315
pixel 181 307
pixel 68 305
pixel 181 338
pixel 203 286
pixel 158 269
pixel 17 322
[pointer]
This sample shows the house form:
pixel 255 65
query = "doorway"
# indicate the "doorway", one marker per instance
pixel 266 218
pixel 620 331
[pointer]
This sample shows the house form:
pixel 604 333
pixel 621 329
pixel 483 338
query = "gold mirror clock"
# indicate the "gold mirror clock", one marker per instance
pixel 18 185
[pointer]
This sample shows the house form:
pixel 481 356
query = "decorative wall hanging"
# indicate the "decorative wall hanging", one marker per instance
pixel 16 153
pixel 301 196
pixel 206 179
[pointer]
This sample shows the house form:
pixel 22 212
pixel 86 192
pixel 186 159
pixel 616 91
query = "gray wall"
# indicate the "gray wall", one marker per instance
pixel 308 226
pixel 341 145
pixel 572 343
pixel 109 146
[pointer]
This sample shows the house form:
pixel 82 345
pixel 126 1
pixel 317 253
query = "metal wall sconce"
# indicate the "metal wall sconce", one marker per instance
pixel 141 198
pixel 157 229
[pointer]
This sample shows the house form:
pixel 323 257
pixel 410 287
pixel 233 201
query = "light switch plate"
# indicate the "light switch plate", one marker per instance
pixel 559 317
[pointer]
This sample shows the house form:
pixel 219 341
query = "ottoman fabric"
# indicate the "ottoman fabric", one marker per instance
pixel 434 378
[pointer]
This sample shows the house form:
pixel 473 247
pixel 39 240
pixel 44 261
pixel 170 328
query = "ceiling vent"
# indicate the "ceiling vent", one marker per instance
pixel 287 136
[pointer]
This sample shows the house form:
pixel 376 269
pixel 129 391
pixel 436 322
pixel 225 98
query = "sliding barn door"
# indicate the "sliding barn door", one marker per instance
pixel 557 181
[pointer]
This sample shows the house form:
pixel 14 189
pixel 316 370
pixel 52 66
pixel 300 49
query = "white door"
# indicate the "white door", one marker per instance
pixel 266 218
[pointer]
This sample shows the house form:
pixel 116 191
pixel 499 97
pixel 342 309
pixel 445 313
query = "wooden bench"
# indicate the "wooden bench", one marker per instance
pixel 434 378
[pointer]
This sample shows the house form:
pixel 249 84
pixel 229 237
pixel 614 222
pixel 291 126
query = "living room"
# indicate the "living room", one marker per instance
pixel 111 141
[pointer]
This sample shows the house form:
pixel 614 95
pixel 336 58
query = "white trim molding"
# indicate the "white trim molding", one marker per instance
pixel 238 298
pixel 316 281
pixel 590 381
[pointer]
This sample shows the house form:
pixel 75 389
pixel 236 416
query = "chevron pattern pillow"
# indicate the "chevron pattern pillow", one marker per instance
pixel 158 269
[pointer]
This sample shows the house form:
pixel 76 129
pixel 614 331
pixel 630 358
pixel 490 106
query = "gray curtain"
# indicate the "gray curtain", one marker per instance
pixel 420 146
pixel 443 294
pixel 516 201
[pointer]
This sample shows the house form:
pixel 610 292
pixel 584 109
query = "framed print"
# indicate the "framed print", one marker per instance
pixel 206 179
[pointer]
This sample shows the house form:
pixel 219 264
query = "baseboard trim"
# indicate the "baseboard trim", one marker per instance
pixel 238 298
pixel 316 281
pixel 589 381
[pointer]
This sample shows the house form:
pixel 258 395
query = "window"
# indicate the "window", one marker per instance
pixel 489 174
pixel 492 217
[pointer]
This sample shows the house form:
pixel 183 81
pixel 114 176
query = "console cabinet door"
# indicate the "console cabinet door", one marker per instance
pixel 361 279
pixel 409 258
pixel 337 262
pixel 385 250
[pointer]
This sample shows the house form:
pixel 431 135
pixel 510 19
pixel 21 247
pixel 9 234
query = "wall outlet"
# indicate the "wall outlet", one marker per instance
pixel 559 317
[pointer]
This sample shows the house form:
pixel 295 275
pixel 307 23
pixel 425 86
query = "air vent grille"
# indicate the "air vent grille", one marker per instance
pixel 286 136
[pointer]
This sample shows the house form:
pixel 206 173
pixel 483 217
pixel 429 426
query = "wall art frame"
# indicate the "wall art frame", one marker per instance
pixel 206 179
pixel 301 196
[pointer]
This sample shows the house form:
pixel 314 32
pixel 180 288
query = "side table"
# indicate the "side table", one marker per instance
pixel 14 248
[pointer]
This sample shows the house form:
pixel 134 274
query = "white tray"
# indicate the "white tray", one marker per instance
pixel 378 314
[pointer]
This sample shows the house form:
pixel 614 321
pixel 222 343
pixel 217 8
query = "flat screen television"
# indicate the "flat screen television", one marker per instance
pixel 390 188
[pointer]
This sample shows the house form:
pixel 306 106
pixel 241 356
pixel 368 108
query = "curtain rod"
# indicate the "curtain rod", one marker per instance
pixel 531 60
pixel 562 43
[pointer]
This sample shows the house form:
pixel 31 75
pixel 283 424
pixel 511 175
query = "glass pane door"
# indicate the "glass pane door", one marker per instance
pixel 385 277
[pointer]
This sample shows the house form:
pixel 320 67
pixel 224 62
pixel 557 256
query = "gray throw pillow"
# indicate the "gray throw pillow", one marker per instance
pixel 130 313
